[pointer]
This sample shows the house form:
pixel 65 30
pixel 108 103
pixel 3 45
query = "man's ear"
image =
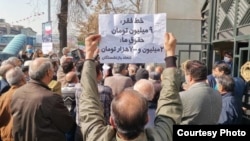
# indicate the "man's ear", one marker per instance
pixel 220 88
pixel 112 122
pixel 190 79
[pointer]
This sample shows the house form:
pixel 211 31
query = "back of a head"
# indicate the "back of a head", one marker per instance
pixel 146 88
pixel 66 59
pixel 39 67
pixel 129 111
pixel 183 65
pixel 222 66
pixel 38 52
pixel 227 82
pixel 159 69
pixel 67 66
pixel 65 50
pixel 14 76
pixel 154 76
pixel 5 62
pixel 150 68
pixel 4 68
pixel 118 68
pixel 141 74
pixel 197 70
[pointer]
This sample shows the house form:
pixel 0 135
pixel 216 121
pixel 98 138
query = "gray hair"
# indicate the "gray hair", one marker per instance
pixel 65 50
pixel 4 68
pixel 5 62
pixel 146 88
pixel 118 68
pixel 39 67
pixel 12 60
pixel 150 68
pixel 14 76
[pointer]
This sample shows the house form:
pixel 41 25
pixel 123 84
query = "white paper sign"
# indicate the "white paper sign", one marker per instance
pixel 132 38
pixel 47 47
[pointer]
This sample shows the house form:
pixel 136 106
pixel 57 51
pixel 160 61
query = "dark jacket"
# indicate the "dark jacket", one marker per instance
pixel 231 112
pixel 4 86
pixel 39 114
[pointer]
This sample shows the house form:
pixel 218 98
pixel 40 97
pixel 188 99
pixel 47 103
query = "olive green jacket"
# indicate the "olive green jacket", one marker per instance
pixel 168 113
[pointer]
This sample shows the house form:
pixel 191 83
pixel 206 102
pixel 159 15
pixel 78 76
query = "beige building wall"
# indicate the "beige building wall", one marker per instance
pixel 183 19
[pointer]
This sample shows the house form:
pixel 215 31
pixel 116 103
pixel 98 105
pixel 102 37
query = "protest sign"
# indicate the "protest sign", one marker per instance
pixel 47 47
pixel 132 38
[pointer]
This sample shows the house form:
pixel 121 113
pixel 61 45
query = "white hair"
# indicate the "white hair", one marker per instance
pixel 146 88
pixel 14 76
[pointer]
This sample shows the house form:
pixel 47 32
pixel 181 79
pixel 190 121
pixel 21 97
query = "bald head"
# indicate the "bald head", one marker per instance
pixel 146 88
pixel 39 67
pixel 129 110
pixel 159 69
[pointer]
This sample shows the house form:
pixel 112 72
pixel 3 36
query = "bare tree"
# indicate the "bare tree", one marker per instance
pixel 106 7
pixel 137 5
pixel 84 14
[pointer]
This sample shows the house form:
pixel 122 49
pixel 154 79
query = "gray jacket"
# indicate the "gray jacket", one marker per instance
pixel 201 105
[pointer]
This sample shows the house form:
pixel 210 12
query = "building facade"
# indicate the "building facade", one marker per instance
pixel 8 32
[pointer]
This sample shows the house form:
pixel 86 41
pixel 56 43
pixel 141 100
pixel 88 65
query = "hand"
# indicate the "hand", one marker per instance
pixel 91 43
pixel 170 44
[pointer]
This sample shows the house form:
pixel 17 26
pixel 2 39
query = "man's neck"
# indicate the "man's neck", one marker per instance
pixel 194 82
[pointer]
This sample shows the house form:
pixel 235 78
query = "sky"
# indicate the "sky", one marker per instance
pixel 27 13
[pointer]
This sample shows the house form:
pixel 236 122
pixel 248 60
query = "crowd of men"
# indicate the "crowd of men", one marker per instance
pixel 58 99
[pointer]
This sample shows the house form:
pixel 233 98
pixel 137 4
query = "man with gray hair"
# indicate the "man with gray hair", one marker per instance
pixel 13 61
pixel 38 113
pixel 4 85
pixel 16 79
pixel 132 69
pixel 146 88
pixel 65 52
pixel 5 66
pixel 119 81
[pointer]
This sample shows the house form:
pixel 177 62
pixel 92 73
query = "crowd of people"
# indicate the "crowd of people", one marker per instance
pixel 48 98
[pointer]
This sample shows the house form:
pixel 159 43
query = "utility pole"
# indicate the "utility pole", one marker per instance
pixel 49 19
pixel 62 25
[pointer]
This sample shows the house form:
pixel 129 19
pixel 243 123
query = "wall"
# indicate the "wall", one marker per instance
pixel 184 20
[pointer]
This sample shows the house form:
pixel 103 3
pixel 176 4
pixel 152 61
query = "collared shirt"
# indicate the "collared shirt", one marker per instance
pixel 106 99
pixel 231 112
pixel 105 93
